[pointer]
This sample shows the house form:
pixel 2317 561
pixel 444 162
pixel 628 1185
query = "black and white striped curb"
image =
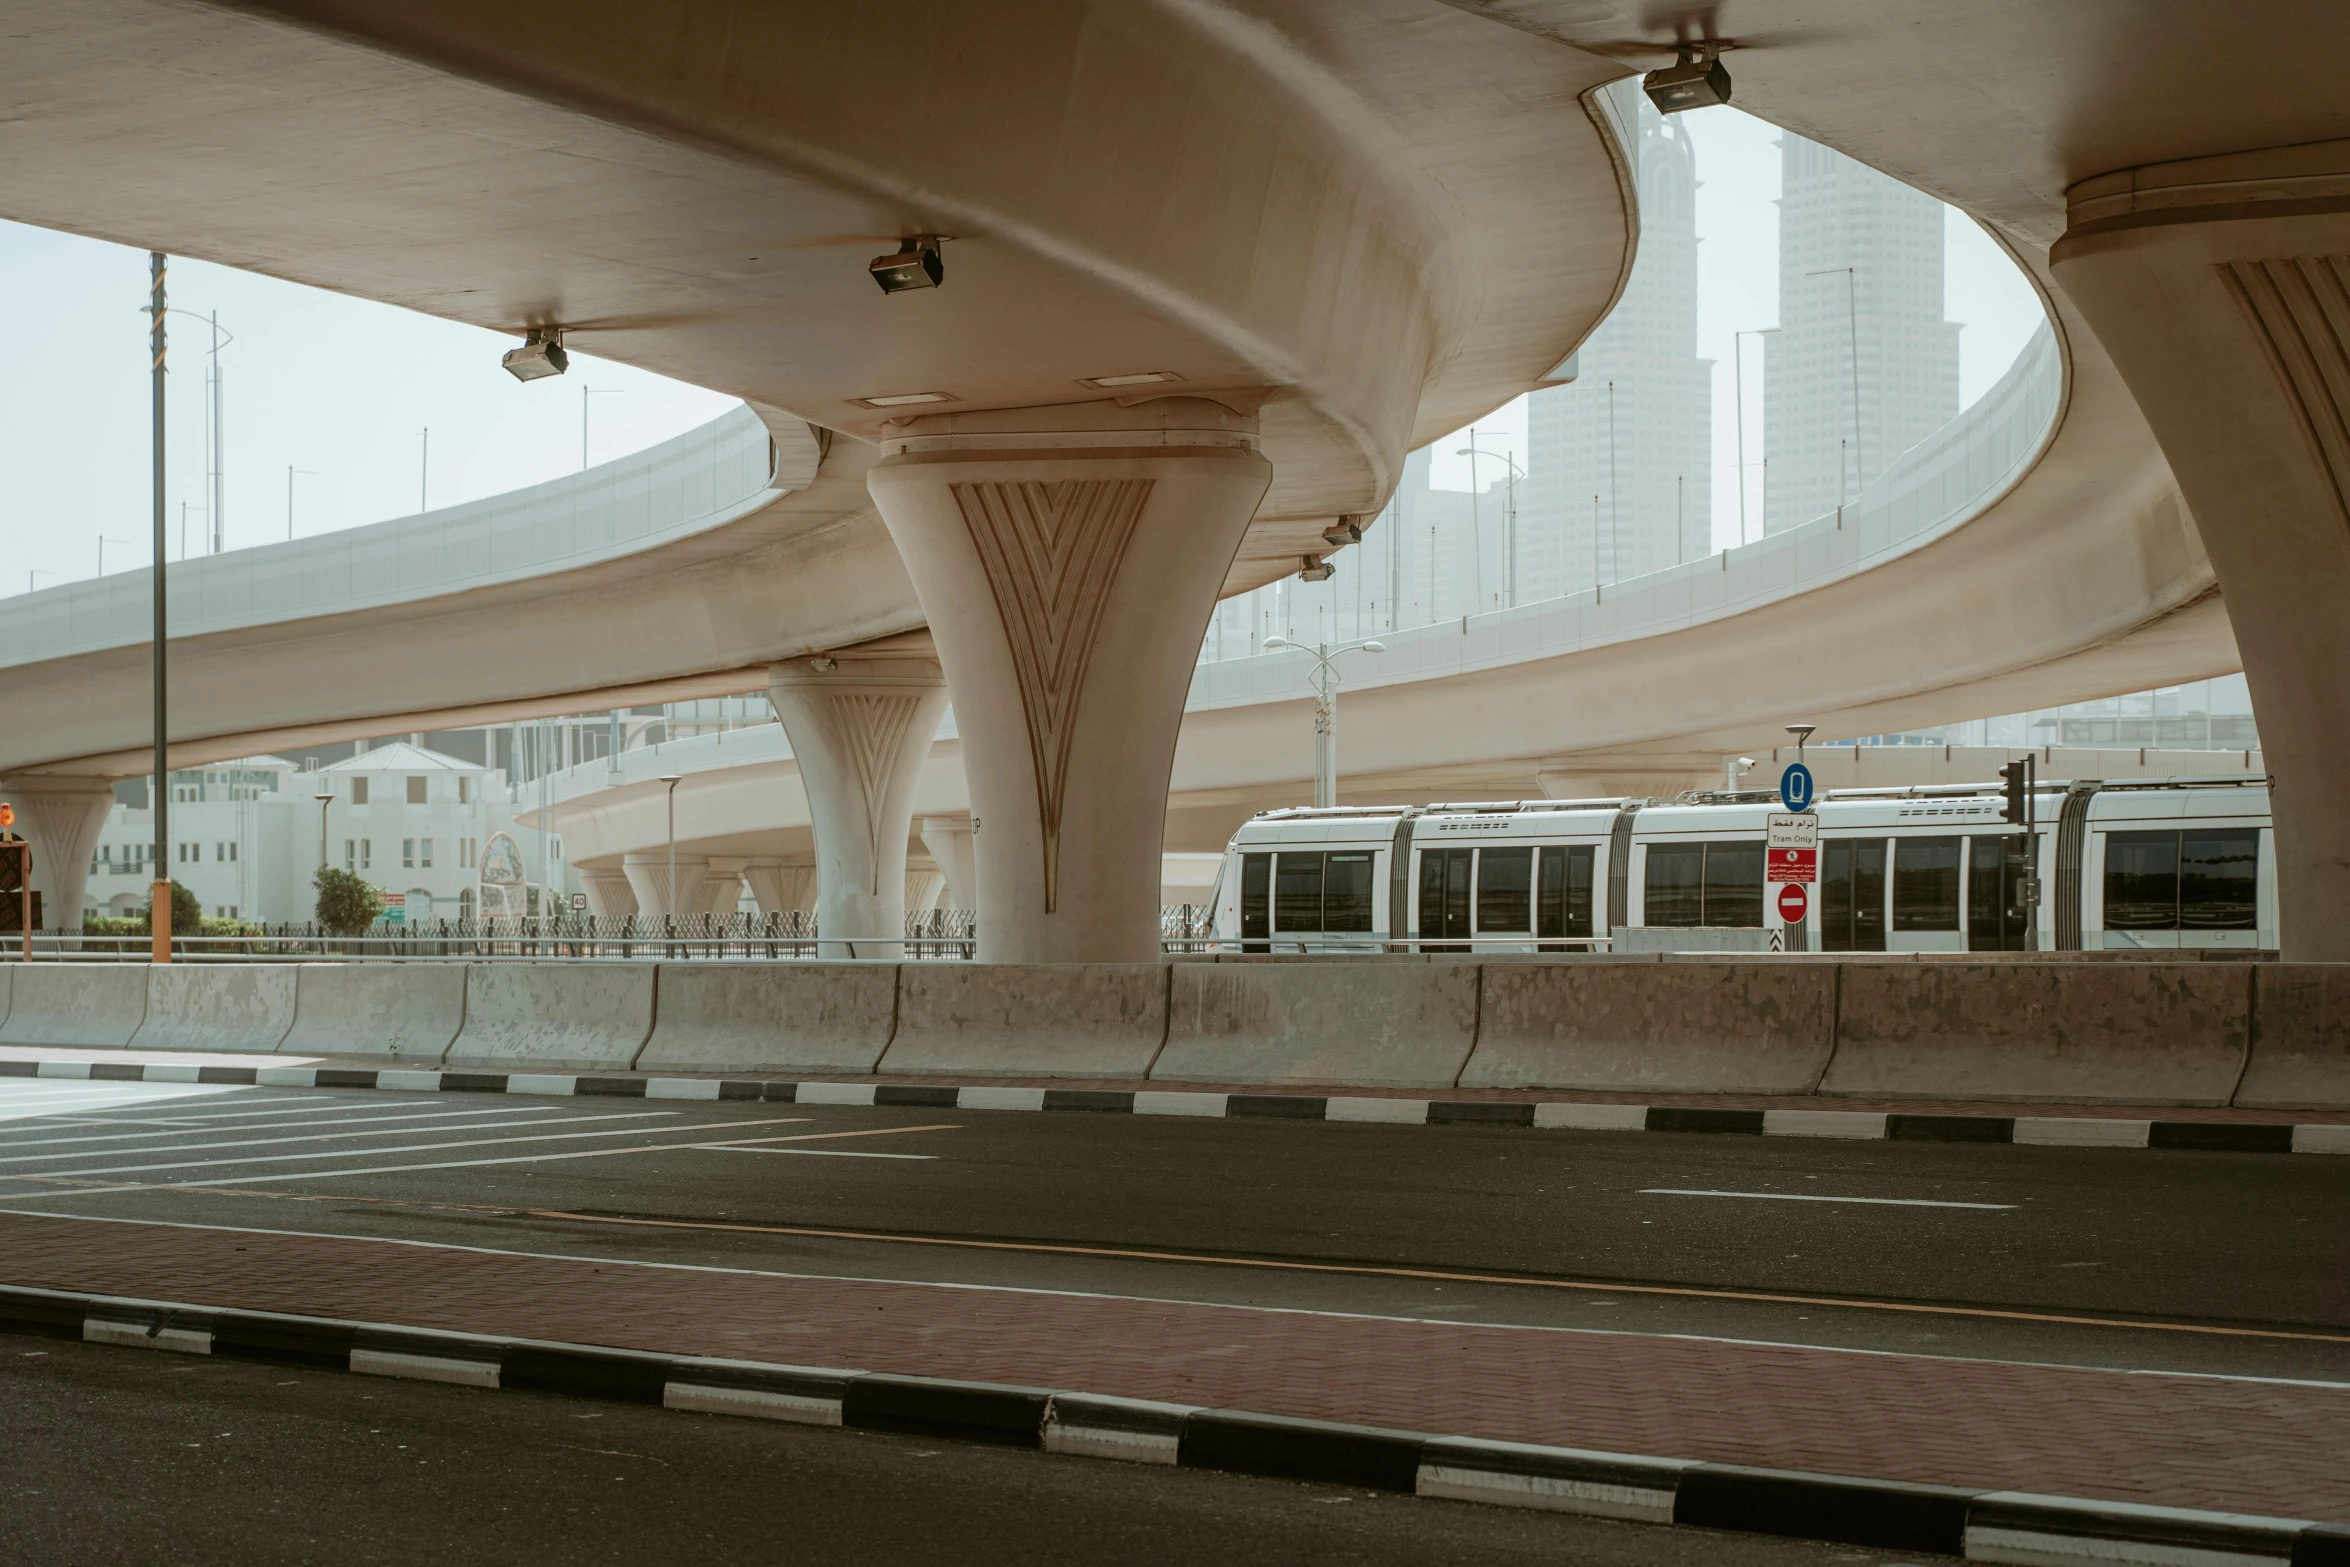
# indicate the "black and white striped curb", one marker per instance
pixel 2052 1131
pixel 1979 1525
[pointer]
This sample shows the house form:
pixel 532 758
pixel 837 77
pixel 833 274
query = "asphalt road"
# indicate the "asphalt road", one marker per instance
pixel 118 1456
pixel 2040 1254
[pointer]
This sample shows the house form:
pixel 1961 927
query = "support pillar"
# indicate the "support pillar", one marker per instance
pixel 2221 289
pixel 923 885
pixel 722 888
pixel 609 895
pixel 1068 559
pixel 781 887
pixel 62 818
pixel 648 875
pixel 861 729
pixel 948 838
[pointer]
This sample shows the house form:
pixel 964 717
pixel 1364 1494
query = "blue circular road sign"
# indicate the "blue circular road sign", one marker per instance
pixel 1795 787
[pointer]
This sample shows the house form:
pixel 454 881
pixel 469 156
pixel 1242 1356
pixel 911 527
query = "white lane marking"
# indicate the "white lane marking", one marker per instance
pixel 459 1164
pixel 404 1115
pixel 1891 1202
pixel 608 1260
pixel 828 1153
pixel 338 1153
pixel 534 1117
pixel 24 1104
pixel 313 1102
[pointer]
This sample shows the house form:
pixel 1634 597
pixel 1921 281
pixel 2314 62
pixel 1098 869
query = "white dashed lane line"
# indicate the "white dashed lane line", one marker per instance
pixel 1888 1202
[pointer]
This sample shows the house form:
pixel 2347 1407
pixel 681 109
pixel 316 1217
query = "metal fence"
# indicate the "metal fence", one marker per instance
pixel 938 933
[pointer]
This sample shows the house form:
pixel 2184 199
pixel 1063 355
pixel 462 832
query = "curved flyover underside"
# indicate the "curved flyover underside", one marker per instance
pixel 1369 223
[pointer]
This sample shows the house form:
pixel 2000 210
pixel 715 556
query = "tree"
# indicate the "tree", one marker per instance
pixel 187 914
pixel 347 905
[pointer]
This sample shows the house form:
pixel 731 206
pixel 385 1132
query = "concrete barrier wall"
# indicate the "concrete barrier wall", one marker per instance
pixel 94 1004
pixel 772 1017
pixel 580 1016
pixel 2301 1038
pixel 1703 1027
pixel 399 1011
pixel 1029 1020
pixel 217 1006
pixel 1370 1023
pixel 2118 1033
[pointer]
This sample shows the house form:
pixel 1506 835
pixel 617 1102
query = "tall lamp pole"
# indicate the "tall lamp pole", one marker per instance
pixel 1509 538
pixel 159 892
pixel 670 895
pixel 1323 678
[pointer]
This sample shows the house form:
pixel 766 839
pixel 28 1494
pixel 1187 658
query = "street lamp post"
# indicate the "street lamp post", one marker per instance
pixel 669 895
pixel 324 800
pixel 159 893
pixel 1323 679
pixel 1509 537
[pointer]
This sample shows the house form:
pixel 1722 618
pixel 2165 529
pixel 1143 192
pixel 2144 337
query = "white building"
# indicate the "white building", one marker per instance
pixel 249 835
pixel 1862 366
pixel 1619 479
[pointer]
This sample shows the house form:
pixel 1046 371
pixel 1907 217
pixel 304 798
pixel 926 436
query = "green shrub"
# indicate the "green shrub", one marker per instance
pixel 347 904
pixel 187 915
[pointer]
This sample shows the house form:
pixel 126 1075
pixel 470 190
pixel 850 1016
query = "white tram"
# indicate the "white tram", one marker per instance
pixel 2168 863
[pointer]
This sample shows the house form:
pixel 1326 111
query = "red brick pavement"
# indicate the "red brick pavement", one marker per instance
pixel 2233 1445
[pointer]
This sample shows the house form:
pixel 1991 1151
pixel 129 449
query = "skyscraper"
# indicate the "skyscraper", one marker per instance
pixel 1863 366
pixel 1620 475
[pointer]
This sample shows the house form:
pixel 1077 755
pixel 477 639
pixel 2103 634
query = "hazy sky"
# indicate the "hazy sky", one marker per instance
pixel 343 389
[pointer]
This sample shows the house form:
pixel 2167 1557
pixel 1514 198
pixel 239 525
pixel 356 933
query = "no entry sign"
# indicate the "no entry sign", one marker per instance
pixel 1793 901
pixel 1792 865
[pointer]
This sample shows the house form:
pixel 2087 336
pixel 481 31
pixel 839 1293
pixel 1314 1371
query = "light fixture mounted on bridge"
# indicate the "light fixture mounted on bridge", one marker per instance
pixel 541 354
pixel 915 265
pixel 1695 80
pixel 1316 569
pixel 1345 531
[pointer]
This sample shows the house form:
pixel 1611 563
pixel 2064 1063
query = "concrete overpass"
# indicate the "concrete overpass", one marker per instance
pixel 1325 235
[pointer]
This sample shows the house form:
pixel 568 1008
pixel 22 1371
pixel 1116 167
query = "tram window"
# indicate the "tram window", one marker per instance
pixel 1852 895
pixel 1444 892
pixel 1346 892
pixel 2142 881
pixel 1563 897
pixel 1297 891
pixel 2219 870
pixel 1505 888
pixel 1256 904
pixel 1925 883
pixel 1734 884
pixel 1673 892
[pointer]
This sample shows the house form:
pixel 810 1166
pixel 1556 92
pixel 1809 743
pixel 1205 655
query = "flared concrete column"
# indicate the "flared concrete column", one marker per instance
pixel 2221 288
pixel 722 888
pixel 648 875
pixel 860 729
pixel 780 886
pixel 923 885
pixel 62 818
pixel 948 838
pixel 609 895
pixel 1068 559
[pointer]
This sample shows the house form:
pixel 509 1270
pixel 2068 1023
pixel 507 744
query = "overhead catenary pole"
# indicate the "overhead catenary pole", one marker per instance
pixel 159 892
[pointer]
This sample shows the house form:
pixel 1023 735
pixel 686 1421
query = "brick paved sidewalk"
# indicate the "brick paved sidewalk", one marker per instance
pixel 2175 1440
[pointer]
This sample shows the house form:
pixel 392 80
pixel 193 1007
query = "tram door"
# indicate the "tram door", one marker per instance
pixel 1852 895
pixel 1256 902
pixel 1998 919
pixel 1444 897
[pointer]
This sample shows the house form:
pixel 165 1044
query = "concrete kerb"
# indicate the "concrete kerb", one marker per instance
pixel 2300 1038
pixel 1699 1027
pixel 781 1017
pixel 216 1006
pixel 398 1011
pixel 98 1005
pixel 2122 1033
pixel 590 1016
pixel 1029 1020
pixel 1386 1026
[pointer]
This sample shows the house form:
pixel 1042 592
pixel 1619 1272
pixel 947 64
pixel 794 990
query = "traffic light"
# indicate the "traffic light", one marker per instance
pixel 2015 775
